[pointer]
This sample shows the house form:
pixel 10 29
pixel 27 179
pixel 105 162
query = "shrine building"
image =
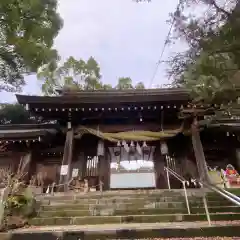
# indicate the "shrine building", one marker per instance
pixel 122 139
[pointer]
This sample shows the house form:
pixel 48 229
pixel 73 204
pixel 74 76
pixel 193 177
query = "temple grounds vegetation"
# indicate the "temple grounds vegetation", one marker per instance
pixel 27 31
pixel 74 75
pixel 20 204
pixel 209 67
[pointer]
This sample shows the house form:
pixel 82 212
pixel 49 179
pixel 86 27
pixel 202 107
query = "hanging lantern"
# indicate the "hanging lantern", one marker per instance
pixel 125 145
pixel 132 148
pixel 146 149
pixel 117 152
pixel 118 166
pixel 164 148
pixel 139 149
pixel 117 149
pixel 100 148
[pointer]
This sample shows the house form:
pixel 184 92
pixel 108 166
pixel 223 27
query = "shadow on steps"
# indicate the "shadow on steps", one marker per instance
pixel 227 231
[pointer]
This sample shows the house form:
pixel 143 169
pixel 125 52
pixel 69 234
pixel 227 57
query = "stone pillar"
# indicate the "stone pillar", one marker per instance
pixel 65 171
pixel 199 153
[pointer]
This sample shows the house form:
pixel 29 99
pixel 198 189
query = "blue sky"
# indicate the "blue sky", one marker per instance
pixel 125 37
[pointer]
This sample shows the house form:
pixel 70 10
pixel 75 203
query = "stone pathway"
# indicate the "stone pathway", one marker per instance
pixel 129 226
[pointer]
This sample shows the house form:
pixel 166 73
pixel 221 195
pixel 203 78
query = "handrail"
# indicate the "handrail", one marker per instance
pixel 230 196
pixel 181 178
pixel 228 193
pixel 183 181
pixel 204 197
pixel 222 193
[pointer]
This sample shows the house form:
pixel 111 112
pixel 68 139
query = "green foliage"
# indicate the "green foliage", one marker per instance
pixel 27 31
pixel 21 205
pixel 124 83
pixel 210 79
pixel 210 66
pixel 16 202
pixel 74 75
pixel 15 114
pixel 140 85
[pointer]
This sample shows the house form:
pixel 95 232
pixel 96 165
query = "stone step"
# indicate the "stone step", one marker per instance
pixel 134 211
pixel 131 219
pixel 70 199
pixel 132 200
pixel 111 200
pixel 175 230
pixel 120 205
pixel 137 205
pixel 235 191
pixel 132 194
pixel 223 202
pixel 114 200
pixel 121 194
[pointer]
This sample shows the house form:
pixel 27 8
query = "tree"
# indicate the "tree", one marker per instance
pixel 124 83
pixel 107 86
pixel 72 74
pixel 140 85
pixel 27 31
pixel 210 65
pixel 75 75
pixel 15 114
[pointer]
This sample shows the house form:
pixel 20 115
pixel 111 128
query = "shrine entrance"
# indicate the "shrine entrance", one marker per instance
pixel 132 167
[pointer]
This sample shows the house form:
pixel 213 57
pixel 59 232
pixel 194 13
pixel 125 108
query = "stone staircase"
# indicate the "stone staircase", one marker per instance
pixel 148 206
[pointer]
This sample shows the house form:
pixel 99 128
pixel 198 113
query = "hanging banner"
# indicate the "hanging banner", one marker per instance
pixel 75 172
pixel 64 170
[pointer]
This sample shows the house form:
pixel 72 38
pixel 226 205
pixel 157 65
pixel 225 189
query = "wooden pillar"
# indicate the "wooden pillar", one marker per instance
pixel 106 170
pixel 101 153
pixel 159 163
pixel 199 153
pixel 101 168
pixel 67 160
pixel 82 165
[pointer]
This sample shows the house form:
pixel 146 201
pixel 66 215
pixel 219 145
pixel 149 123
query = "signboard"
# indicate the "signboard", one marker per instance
pixel 64 170
pixel 75 172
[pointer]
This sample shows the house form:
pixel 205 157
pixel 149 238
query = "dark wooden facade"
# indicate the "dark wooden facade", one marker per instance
pixel 54 145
